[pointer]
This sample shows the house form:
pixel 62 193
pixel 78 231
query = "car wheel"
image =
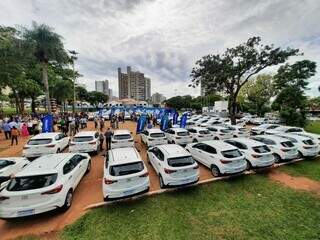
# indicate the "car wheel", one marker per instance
pixel 216 138
pixel 68 200
pixel 88 167
pixel 235 136
pixel 162 185
pixel 215 171
pixel 195 140
pixel 277 158
pixel 173 142
pixel 300 155
pixel 58 150
pixel 249 166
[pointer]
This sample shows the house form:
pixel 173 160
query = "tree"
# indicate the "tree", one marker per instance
pixel 97 97
pixel 48 47
pixel 291 81
pixel 256 93
pixel 62 90
pixel 231 70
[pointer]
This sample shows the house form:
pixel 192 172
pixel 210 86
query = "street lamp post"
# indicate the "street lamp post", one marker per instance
pixel 73 58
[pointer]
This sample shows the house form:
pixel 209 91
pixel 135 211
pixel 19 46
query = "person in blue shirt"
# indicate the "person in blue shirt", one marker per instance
pixel 7 130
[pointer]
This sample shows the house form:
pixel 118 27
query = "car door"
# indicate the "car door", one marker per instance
pixel 197 152
pixel 69 171
pixel 209 155
pixel 144 136
pixel 153 155
pixel 79 168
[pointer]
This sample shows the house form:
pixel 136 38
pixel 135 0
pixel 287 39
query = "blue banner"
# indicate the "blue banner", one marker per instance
pixel 141 123
pixel 47 123
pixel 183 121
pixel 175 118
pixel 164 124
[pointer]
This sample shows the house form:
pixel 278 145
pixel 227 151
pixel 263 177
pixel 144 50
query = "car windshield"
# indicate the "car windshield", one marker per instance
pixel 183 133
pixel 287 144
pixel 126 169
pixel 83 139
pixel 156 135
pixel 231 153
pixel 204 132
pixel 31 182
pixel 39 141
pixel 180 161
pixel 122 136
pixel 261 149
pixel 5 163
pixel 308 142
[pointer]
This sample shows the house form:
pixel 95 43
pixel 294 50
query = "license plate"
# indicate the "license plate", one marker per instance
pixel 25 212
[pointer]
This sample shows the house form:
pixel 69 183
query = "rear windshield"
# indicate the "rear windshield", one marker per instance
pixel 242 129
pixel 31 182
pixel 83 139
pixel 225 130
pixel 122 136
pixel 126 169
pixel 39 141
pixel 287 144
pixel 308 142
pixel 231 153
pixel 261 149
pixel 180 161
pixel 157 135
pixel 291 139
pixel 5 163
pixel 183 133
pixel 204 132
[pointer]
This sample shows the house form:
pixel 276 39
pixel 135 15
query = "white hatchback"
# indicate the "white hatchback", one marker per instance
pixel 124 175
pixel 45 143
pixel 153 137
pixel 282 148
pixel 220 132
pixel 256 153
pixel 262 128
pixel 86 141
pixel 9 166
pixel 179 136
pixel 284 129
pixel 122 138
pixel 46 184
pixel 174 165
pixel 218 156
pixel 200 134
pixel 237 131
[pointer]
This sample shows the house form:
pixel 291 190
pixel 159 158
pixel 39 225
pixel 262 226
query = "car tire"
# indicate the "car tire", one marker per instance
pixel 235 136
pixel 58 150
pixel 195 140
pixel 249 165
pixel 215 171
pixel 300 155
pixel 88 167
pixel 173 142
pixel 68 200
pixel 277 158
pixel 216 138
pixel 162 185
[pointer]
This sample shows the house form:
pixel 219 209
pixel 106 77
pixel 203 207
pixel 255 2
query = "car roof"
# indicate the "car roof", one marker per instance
pixel 45 164
pixel 173 150
pixel 219 145
pixel 155 130
pixel 179 129
pixel 45 135
pixel 85 133
pixel 199 128
pixel 124 155
pixel 295 136
pixel 272 137
pixel 247 141
pixel 218 127
pixel 122 131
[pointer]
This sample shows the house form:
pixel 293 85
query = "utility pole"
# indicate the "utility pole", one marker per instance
pixel 73 58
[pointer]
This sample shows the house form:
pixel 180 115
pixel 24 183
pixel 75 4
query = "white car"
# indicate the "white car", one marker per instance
pixel 127 116
pixel 220 132
pixel 200 134
pixel 174 165
pixel 9 166
pixel 91 116
pixel 237 131
pixel 86 141
pixel 282 148
pixel 45 143
pixel 218 156
pixel 190 124
pixel 212 121
pixel 45 184
pixel 284 129
pixel 125 174
pixel 153 137
pixel 306 146
pixel 179 136
pixel 259 121
pixel 122 138
pixel 256 153
pixel 262 128
pixel 201 121
pixel 315 137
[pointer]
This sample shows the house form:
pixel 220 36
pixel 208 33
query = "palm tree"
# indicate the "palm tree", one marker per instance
pixel 48 47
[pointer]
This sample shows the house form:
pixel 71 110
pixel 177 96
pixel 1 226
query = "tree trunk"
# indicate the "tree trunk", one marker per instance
pixel 33 104
pixel 232 109
pixel 46 85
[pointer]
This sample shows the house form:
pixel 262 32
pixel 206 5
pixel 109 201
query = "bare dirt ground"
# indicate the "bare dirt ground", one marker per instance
pixel 88 192
pixel 297 183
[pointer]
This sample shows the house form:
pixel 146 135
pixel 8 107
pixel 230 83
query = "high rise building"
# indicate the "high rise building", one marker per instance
pixel 134 85
pixel 103 86
pixel 157 98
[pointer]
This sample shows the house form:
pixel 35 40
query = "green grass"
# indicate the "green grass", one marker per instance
pixel 249 207
pixel 308 168
pixel 313 127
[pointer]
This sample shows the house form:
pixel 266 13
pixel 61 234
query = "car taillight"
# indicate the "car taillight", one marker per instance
pixel 150 139
pixel 109 181
pixel 26 147
pixel 221 134
pixel 307 147
pixel 72 144
pixel 92 143
pixel 196 167
pixel 144 175
pixel 51 145
pixel 225 161
pixel 178 137
pixel 256 156
pixel 131 140
pixel 2 198
pixel 201 136
pixel 53 191
pixel 114 141
pixel 169 171
pixel 285 149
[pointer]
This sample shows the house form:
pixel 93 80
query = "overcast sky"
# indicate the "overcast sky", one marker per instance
pixel 164 38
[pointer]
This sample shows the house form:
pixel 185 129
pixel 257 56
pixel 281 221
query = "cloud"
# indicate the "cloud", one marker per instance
pixel 164 38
